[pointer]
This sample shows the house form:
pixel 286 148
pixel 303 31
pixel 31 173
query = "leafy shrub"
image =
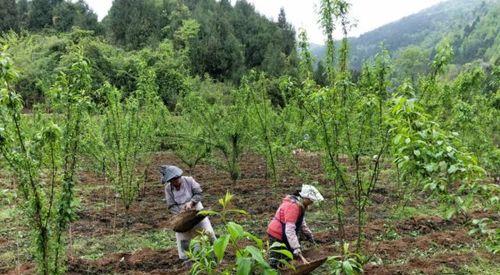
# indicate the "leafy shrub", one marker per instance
pixel 250 258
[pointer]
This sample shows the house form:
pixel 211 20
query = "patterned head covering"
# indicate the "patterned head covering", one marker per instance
pixel 169 172
pixel 310 192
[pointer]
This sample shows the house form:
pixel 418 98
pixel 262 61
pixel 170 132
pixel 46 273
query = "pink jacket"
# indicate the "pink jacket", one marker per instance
pixel 290 215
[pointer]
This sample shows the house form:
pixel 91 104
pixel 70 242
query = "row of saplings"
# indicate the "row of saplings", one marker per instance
pixel 354 126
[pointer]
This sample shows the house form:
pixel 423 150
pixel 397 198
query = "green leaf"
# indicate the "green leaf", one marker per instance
pixel 270 272
pixel 431 167
pixel 220 246
pixel 235 230
pixel 473 231
pixel 258 242
pixel 347 267
pixel 397 139
pixel 208 213
pixel 243 266
pixel 443 165
pixel 238 211
pixel 257 256
pixel 285 252
pixel 452 169
pixel 277 245
pixel 449 213
pixel 416 152
pixel 333 258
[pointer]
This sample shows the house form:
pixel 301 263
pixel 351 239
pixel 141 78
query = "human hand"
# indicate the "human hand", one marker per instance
pixel 190 205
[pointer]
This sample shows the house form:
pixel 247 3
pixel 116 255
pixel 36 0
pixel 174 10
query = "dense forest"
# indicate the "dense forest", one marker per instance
pixel 395 133
pixel 200 38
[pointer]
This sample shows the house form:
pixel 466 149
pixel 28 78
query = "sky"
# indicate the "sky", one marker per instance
pixel 368 14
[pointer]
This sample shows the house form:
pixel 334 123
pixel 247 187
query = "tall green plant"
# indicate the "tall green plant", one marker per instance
pixel 248 249
pixel 190 135
pixel 432 159
pixel 262 115
pixel 350 126
pixel 44 163
pixel 130 133
pixel 126 143
pixel 225 127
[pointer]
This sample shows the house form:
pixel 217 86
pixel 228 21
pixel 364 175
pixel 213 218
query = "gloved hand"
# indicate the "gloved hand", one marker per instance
pixel 297 252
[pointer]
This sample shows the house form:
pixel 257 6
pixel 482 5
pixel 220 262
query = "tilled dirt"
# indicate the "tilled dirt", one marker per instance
pixel 102 215
pixel 424 266
pixel 145 261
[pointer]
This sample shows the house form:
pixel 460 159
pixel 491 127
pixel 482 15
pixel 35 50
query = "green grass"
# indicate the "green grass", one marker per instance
pixel 423 210
pixel 481 266
pixel 8 258
pixel 8 213
pixel 95 248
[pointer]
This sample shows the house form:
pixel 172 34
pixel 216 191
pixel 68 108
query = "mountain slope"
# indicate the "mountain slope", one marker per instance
pixel 471 25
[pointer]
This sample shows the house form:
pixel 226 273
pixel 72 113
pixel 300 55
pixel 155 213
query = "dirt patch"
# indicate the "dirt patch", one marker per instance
pixel 142 261
pixel 396 249
pixel 23 269
pixel 102 214
pixel 3 241
pixel 423 225
pixel 432 265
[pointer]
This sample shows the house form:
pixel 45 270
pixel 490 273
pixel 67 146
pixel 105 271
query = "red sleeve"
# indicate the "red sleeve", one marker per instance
pixel 292 212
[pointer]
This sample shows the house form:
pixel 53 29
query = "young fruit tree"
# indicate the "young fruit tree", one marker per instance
pixel 224 128
pixel 42 152
pixel 126 144
pixel 263 116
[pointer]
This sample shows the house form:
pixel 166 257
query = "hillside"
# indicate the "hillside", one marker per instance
pixel 114 134
pixel 471 25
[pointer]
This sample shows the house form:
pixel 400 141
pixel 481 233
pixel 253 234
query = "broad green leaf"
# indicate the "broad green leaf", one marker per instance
pixel 430 167
pixel 397 139
pixel 257 256
pixel 258 242
pixel 333 258
pixel 235 230
pixel 449 213
pixel 285 252
pixel 346 266
pixel 270 272
pixel 452 169
pixel 443 165
pixel 220 246
pixel 243 266
pixel 277 245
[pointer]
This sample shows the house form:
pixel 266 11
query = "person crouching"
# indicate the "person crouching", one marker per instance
pixel 289 222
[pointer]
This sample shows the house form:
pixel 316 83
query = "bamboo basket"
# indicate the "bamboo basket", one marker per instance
pixel 186 220
pixel 302 269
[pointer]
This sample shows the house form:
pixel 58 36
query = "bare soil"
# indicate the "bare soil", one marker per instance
pixel 101 214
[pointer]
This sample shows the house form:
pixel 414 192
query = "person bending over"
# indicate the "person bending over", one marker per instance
pixel 288 223
pixel 182 194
